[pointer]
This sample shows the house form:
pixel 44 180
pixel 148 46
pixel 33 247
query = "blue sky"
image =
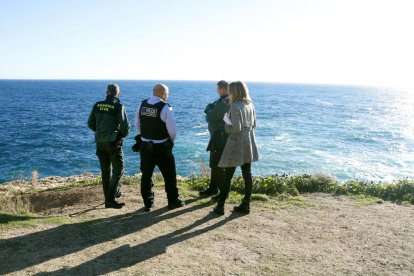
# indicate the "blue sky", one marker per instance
pixel 320 41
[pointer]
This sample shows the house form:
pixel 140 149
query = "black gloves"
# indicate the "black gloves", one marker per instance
pixel 137 145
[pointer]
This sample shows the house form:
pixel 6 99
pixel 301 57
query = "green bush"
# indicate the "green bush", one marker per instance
pixel 274 185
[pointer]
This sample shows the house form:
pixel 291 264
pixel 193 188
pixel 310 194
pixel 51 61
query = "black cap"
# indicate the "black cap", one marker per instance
pixel 113 89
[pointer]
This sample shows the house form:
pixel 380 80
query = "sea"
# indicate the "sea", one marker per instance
pixel 347 132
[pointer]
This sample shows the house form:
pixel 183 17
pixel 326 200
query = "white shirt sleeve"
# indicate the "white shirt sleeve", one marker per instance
pixel 167 116
pixel 137 121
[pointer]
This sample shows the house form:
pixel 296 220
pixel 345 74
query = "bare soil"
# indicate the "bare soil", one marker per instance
pixel 333 237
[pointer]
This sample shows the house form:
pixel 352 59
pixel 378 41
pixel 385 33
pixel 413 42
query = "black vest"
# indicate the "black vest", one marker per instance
pixel 152 127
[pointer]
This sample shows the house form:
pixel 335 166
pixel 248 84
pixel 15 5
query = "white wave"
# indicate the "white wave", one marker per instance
pixel 204 133
pixel 322 102
pixel 282 137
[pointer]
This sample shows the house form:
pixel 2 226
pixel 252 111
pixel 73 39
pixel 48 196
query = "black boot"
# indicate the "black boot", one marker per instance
pixel 114 204
pixel 208 192
pixel 219 209
pixel 244 208
pixel 148 207
pixel 175 204
pixel 215 198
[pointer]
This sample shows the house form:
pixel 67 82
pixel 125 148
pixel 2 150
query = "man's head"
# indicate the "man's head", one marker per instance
pixel 161 90
pixel 222 88
pixel 113 90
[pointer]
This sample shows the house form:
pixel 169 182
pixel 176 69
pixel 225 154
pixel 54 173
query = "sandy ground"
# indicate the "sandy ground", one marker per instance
pixel 333 237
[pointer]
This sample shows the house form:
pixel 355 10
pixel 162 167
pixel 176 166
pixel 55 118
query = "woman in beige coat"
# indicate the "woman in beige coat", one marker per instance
pixel 240 149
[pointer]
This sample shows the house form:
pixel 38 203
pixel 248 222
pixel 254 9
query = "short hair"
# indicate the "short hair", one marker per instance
pixel 159 89
pixel 223 84
pixel 238 91
pixel 113 89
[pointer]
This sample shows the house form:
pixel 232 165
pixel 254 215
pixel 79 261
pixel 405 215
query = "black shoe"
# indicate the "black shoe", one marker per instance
pixel 119 194
pixel 208 192
pixel 215 198
pixel 219 209
pixel 147 208
pixel 242 208
pixel 176 204
pixel 114 204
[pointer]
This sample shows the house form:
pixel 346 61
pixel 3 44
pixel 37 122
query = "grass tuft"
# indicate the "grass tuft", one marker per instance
pixel 362 200
pixel 260 197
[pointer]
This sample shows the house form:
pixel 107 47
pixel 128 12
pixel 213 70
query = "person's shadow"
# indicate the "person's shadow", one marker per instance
pixel 26 251
pixel 127 256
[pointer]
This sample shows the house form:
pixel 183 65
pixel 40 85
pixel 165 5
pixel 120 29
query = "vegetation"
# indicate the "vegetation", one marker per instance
pixel 401 192
pixel 27 219
pixel 274 191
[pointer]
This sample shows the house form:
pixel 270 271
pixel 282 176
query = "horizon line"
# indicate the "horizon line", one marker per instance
pixel 198 80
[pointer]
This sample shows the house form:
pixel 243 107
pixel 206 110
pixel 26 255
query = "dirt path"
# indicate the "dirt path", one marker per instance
pixel 334 237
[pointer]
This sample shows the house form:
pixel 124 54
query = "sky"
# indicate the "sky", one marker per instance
pixel 297 41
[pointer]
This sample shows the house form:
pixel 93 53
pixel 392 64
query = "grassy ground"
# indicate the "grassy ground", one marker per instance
pixel 272 192
pixel 64 229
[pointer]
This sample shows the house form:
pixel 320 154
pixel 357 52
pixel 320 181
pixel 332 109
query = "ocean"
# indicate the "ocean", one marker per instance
pixel 348 132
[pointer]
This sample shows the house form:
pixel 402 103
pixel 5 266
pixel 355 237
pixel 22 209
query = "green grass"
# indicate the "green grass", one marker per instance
pixel 26 219
pixel 260 197
pixel 398 191
pixel 362 200
pixel 274 191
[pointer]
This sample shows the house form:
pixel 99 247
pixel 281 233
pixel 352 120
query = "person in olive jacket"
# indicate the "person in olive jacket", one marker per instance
pixel 109 121
pixel 214 115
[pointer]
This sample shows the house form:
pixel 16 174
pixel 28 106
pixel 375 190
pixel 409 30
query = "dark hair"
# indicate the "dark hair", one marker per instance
pixel 113 89
pixel 223 84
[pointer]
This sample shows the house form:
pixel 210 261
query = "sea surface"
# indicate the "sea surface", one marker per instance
pixel 348 132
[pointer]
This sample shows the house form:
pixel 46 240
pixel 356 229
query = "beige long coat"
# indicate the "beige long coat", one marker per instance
pixel 241 145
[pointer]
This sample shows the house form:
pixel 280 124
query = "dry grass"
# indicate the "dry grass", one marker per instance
pixel 35 177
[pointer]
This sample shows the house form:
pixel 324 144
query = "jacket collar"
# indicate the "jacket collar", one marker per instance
pixel 112 99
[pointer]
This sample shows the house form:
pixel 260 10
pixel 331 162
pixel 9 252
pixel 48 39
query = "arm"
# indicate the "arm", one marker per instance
pixel 254 117
pixel 208 108
pixel 123 122
pixel 137 121
pixel 92 120
pixel 167 116
pixel 217 113
pixel 236 120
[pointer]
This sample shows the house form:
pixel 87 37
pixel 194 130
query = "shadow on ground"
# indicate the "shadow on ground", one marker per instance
pixel 32 249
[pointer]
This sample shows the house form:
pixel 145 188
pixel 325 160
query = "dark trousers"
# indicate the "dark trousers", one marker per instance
pixel 216 174
pixel 111 159
pixel 157 155
pixel 248 183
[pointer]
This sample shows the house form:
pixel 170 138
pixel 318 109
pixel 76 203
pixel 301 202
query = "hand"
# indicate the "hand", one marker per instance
pixel 226 119
pixel 209 108
pixel 136 147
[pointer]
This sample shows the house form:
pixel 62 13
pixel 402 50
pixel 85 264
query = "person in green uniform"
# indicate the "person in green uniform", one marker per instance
pixel 214 115
pixel 109 121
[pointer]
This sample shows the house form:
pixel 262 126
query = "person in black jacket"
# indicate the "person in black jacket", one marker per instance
pixel 214 115
pixel 109 121
pixel 155 122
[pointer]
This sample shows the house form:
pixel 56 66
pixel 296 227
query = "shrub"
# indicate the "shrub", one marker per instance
pixel 274 185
